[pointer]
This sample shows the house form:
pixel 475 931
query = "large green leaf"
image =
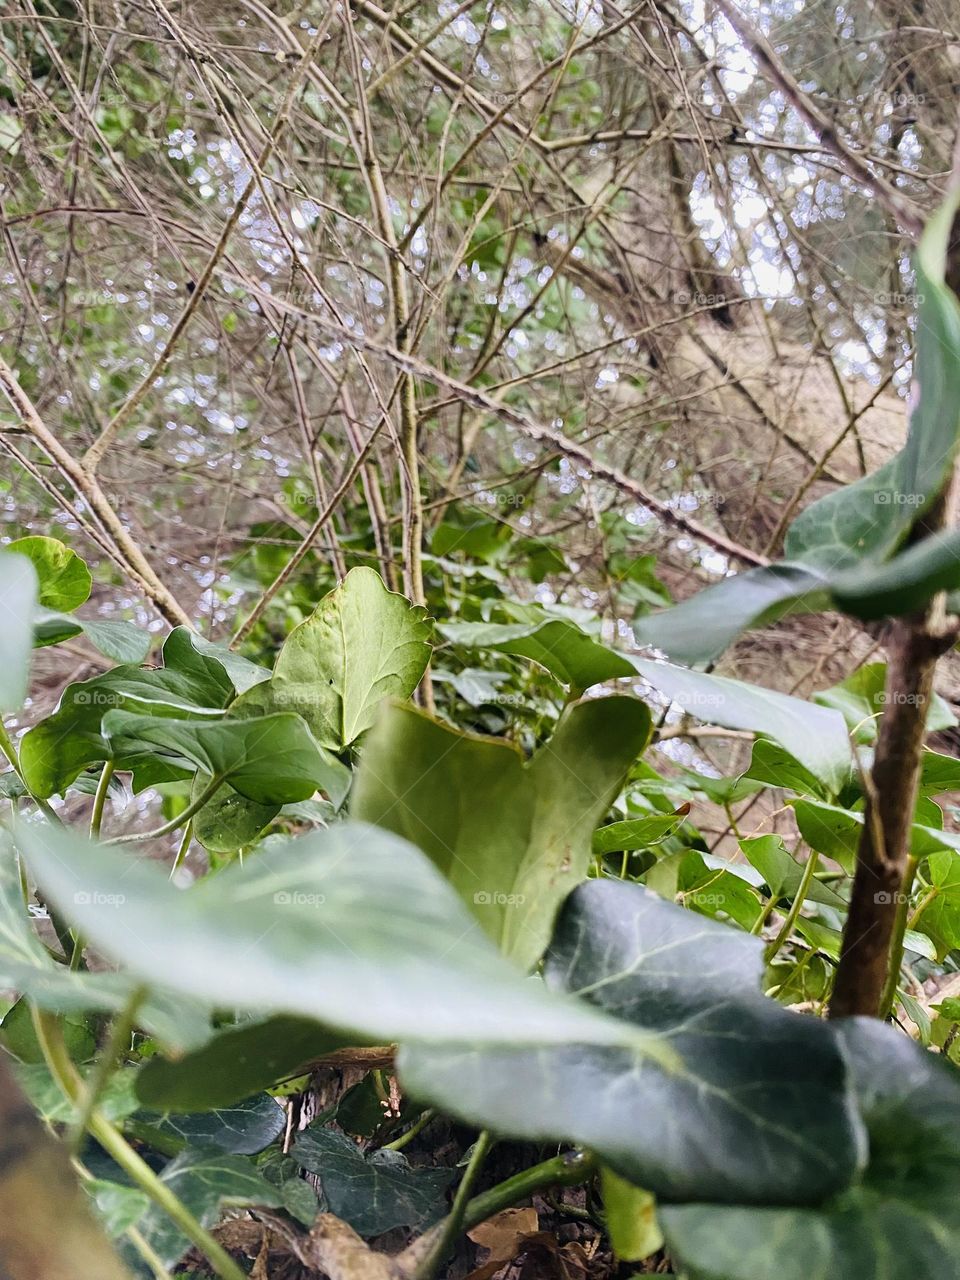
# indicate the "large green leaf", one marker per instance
pixel 64 580
pixel 373 1193
pixel 512 836
pixel 271 759
pixel 189 684
pixel 28 968
pixel 562 647
pixel 815 736
pixel 757 1109
pixel 901 1218
pixel 351 926
pixel 18 595
pixel 362 644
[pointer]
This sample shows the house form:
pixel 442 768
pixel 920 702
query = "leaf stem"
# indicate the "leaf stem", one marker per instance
pixel 117 1042
pixel 65 1074
pixel 452 1225
pixel 103 786
pixel 795 907
pixel 417 1127
pixel 567 1170
pixel 178 820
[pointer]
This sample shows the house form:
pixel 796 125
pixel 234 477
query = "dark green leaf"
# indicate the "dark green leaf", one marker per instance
pixel 372 1193
pixel 757 1109
pixel 242 1129
pixel 563 648
pixel 899 1221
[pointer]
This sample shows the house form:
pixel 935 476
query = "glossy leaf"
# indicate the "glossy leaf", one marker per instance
pixel 271 759
pixel 351 926
pixel 756 1110
pixel 563 648
pixel 815 736
pixel 635 833
pixel 362 644
pixel 372 1193
pixel 512 836
pixel 900 1220
pixel 118 640
pixel 63 579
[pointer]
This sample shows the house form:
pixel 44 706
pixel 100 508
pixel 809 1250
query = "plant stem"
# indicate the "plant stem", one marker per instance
pixel 928 897
pixel 103 786
pixel 117 1042
pixel 896 944
pixel 417 1127
pixel 183 816
pixel 795 907
pixel 452 1225
pixel 182 849
pixel 568 1170
pixel 65 1074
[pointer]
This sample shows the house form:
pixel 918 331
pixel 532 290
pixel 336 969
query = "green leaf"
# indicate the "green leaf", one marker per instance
pixel 813 735
pixel 756 1109
pixel 782 873
pixel 205 1181
pixel 372 1193
pixel 64 580
pixel 271 759
pixel 28 968
pixel 774 766
pixel 118 640
pixel 900 1219
pixel 18 594
pixel 630 1218
pixel 861 700
pixel 350 926
pixel 699 629
pixel 836 832
pixel 229 821
pixel 561 647
pixel 235 1063
pixel 901 585
pixel 189 684
pixel 512 837
pixel 242 1129
pixel 941 916
pixel 118 1207
pixel 363 644
pixel 635 833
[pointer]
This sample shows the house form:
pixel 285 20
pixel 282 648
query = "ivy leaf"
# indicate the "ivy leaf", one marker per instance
pixel 242 1129
pixel 64 580
pixel 55 751
pixel 815 736
pixel 372 1193
pixel 18 594
pixel 635 833
pixel 235 1063
pixel 561 647
pixel 351 926
pixel 271 759
pixel 899 1220
pixel 362 644
pixel 699 629
pixel 512 837
pixel 861 700
pixel 941 916
pixel 28 968
pixel 756 1110
pixel 118 640
pixel 118 1207
pixel 205 1181
pixel 782 873
pixel 630 1218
